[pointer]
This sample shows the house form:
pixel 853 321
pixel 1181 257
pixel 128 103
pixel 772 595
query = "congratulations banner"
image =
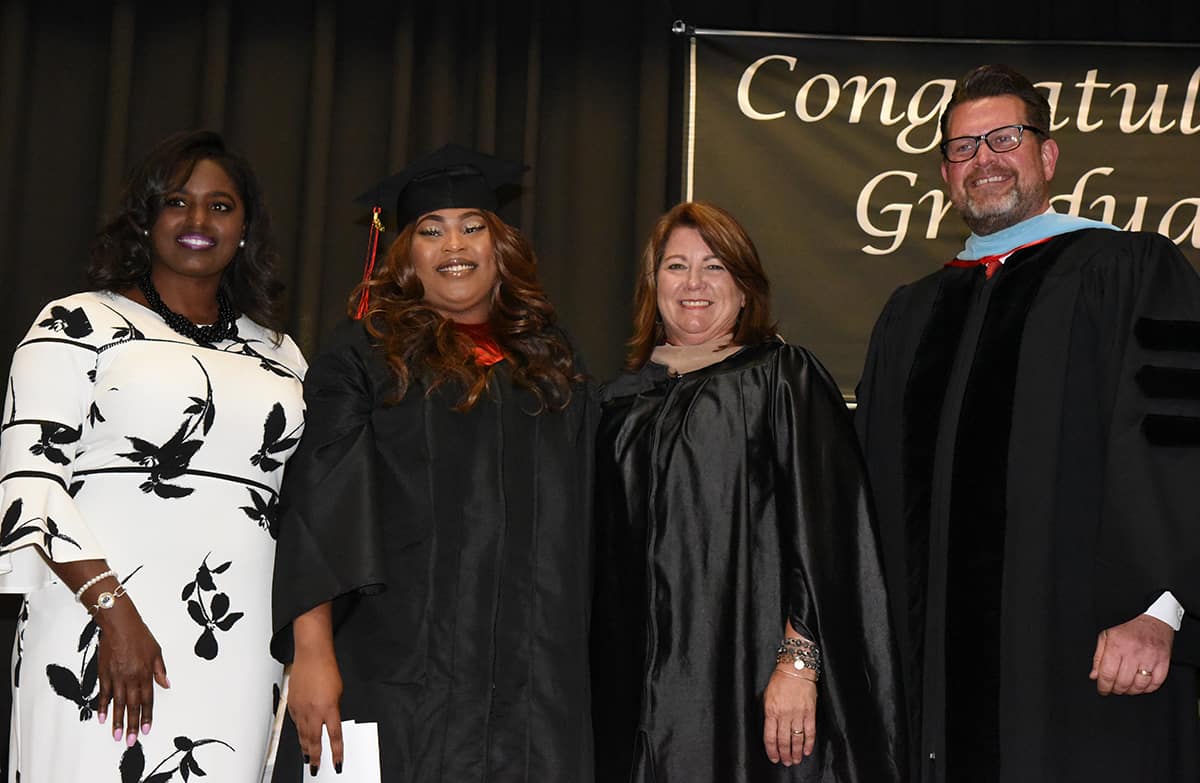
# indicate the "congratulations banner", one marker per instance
pixel 826 149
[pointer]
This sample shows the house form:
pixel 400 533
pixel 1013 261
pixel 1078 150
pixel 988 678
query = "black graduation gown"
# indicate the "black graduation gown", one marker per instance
pixel 729 499
pixel 456 548
pixel 1033 443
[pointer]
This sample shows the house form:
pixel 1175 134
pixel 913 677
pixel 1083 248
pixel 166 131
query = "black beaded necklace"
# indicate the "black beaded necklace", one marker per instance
pixel 205 335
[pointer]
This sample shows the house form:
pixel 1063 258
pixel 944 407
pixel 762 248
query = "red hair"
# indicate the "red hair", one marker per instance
pixel 730 243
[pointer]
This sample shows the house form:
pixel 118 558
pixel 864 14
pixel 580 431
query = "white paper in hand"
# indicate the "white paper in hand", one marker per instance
pixel 361 751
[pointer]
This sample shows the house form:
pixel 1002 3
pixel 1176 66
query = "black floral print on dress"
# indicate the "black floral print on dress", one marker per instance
pixel 274 441
pixel 82 689
pixel 265 511
pixel 142 378
pixel 73 323
pixel 126 332
pixel 172 459
pixel 213 617
pixel 53 436
pixel 246 348
pixel 133 761
pixel 13 529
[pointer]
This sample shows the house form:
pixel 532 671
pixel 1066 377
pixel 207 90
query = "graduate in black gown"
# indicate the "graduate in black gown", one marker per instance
pixel 433 570
pixel 1031 421
pixel 740 632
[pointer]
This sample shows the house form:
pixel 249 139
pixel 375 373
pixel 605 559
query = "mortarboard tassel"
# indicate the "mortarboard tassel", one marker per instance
pixel 369 266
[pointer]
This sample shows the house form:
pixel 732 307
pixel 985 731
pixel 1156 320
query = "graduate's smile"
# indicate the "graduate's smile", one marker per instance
pixel 454 258
pixel 457 268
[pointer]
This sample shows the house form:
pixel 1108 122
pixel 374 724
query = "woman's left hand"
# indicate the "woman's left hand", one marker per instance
pixel 789 731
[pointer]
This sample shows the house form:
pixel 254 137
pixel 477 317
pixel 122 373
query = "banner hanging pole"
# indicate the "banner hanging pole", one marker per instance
pixel 690 140
pixel 679 27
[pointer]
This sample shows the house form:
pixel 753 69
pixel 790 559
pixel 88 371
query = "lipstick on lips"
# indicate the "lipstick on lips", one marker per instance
pixel 194 241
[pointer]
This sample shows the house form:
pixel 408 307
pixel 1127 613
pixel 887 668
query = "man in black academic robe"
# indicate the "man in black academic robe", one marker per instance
pixel 1030 416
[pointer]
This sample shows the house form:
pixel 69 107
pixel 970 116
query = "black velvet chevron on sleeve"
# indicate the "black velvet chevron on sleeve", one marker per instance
pixel 1155 334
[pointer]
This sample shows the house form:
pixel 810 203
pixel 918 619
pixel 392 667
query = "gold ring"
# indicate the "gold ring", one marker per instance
pixel 1145 672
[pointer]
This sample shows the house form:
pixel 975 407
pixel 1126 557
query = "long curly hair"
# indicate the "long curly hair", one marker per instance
pixel 120 252
pixel 730 243
pixel 422 346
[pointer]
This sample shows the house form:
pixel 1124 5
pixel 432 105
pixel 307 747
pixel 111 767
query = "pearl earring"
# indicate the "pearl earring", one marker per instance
pixel 242 243
pixel 145 232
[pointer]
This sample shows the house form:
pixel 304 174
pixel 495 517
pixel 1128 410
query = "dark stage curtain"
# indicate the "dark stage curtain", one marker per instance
pixel 324 98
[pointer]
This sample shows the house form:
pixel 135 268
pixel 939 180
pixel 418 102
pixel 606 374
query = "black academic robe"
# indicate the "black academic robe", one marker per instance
pixel 456 548
pixel 1033 443
pixel 728 500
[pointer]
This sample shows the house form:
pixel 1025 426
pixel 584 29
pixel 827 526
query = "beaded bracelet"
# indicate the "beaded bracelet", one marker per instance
pixel 801 654
pixel 98 577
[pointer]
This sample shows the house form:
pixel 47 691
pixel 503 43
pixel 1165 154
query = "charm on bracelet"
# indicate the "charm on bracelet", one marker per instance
pixel 107 600
pixel 801 654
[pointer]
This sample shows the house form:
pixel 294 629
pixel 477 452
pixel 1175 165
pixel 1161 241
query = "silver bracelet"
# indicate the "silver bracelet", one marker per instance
pixel 801 654
pixel 98 577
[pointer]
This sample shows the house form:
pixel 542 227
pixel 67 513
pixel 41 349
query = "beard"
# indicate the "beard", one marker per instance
pixel 991 214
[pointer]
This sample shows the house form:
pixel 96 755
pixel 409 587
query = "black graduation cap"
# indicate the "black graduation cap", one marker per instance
pixel 451 177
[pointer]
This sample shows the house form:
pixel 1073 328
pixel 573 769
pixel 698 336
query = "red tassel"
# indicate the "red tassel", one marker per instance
pixel 369 266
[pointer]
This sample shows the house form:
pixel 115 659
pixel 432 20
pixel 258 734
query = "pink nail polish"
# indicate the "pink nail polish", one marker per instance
pixel 101 716
pixel 131 739
pixel 117 734
pixel 145 728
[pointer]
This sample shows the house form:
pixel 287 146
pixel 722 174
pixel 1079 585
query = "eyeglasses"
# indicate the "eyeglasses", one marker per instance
pixel 1006 139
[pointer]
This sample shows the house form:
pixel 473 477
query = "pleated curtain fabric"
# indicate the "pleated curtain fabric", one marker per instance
pixel 325 97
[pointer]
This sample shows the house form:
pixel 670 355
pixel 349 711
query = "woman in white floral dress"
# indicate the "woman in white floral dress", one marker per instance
pixel 140 459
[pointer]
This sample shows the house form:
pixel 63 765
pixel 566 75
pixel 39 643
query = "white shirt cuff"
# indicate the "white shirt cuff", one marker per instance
pixel 1167 609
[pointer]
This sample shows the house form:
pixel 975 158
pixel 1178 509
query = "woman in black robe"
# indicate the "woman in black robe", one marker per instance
pixel 434 551
pixel 740 631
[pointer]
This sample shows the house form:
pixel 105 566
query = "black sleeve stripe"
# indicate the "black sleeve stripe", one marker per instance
pixel 1163 430
pixel 72 343
pixel 57 479
pixel 36 423
pixel 1160 335
pixel 1176 383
